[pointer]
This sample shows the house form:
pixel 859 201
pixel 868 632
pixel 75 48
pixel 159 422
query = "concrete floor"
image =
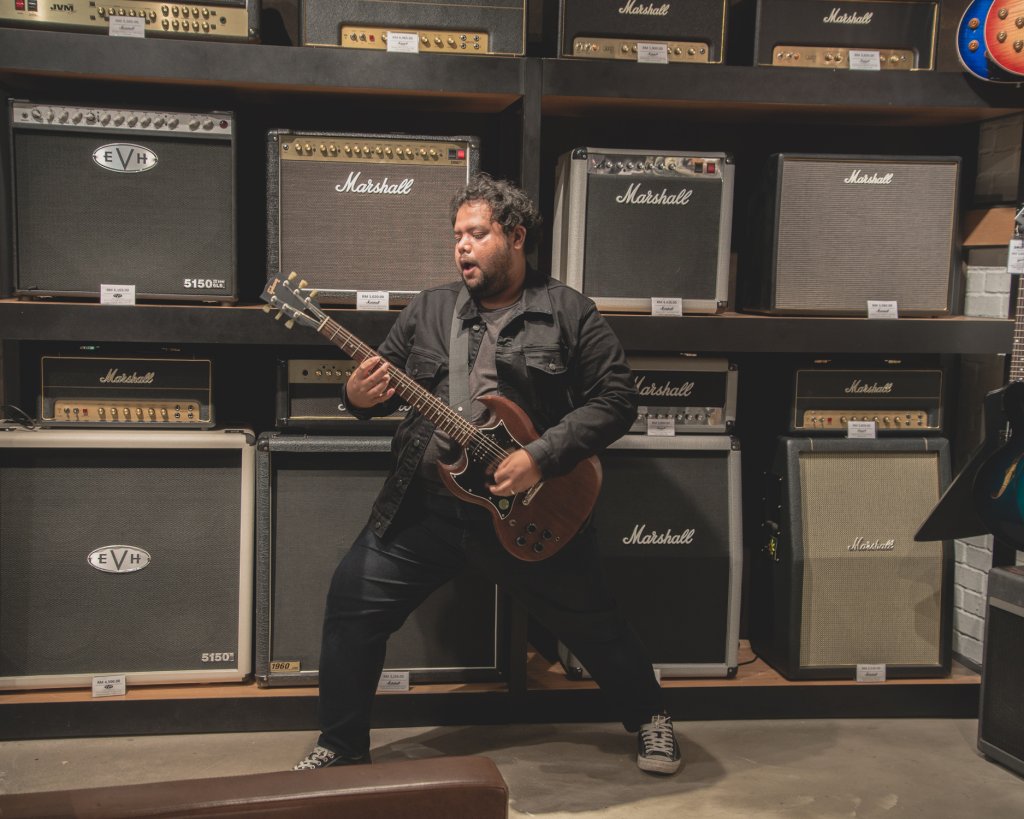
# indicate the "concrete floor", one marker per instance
pixel 771 768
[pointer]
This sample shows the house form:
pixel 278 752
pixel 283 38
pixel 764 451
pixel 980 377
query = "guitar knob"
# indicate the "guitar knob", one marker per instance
pixel 531 527
pixel 546 534
pixel 538 547
pixel 520 541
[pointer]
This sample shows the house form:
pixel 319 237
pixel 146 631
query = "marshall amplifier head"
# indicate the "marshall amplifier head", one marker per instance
pixel 309 397
pixel 840 231
pixel 213 20
pixel 355 212
pixel 899 398
pixel 635 224
pixel 688 31
pixel 684 394
pixel 439 27
pixel 115 196
pixel 887 35
pixel 125 392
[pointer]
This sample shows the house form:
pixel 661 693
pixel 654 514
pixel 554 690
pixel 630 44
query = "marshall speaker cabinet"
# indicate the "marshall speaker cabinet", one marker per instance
pixel 335 200
pixel 840 231
pixel 692 31
pixel 125 552
pixel 669 525
pixel 115 196
pixel 634 224
pixel 439 26
pixel 841 582
pixel 684 394
pixel 212 20
pixel 314 495
pixel 309 397
pixel 880 36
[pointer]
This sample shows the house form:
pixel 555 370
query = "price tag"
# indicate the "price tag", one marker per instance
pixel 861 429
pixel 883 310
pixel 373 300
pixel 870 672
pixel 108 686
pixel 865 61
pixel 652 53
pixel 122 26
pixel 393 681
pixel 666 307
pixel 403 42
pixel 662 427
pixel 1015 258
pixel 120 294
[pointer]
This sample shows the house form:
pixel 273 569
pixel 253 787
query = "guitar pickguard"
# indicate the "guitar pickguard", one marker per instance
pixel 473 478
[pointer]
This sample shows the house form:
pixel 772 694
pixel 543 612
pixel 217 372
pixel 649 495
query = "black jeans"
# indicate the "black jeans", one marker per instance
pixel 381 581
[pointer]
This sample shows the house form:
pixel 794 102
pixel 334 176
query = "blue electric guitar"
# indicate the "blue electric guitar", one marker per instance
pixel 972 48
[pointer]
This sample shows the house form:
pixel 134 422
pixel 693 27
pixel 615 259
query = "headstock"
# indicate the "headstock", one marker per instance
pixel 293 302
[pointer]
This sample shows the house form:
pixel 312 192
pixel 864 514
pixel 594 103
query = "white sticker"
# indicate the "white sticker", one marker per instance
pixel 108 686
pixel 883 310
pixel 652 53
pixel 663 427
pixel 393 681
pixel 861 429
pixel 373 300
pixel 403 42
pixel 1015 258
pixel 120 294
pixel 666 307
pixel 865 61
pixel 870 672
pixel 122 26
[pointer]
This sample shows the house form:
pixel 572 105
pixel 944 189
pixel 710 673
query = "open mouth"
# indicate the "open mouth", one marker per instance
pixel 468 266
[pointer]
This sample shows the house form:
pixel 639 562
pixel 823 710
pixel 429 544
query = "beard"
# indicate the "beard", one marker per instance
pixel 493 279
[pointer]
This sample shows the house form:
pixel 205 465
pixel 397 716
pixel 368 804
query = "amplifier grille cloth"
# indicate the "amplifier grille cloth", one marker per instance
pixel 80 226
pixel 639 251
pixel 840 245
pixel 869 606
pixel 1003 717
pixel 58 615
pixel 350 241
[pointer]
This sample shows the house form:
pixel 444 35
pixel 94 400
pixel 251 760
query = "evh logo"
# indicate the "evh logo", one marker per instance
pixel 123 157
pixel 62 6
pixel 119 559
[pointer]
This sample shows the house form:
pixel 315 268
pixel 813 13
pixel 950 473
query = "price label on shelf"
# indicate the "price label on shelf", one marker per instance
pixel 652 53
pixel 403 42
pixel 865 60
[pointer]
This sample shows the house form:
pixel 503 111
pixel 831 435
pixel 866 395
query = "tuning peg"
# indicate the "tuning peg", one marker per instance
pixel 292 276
pixel 302 284
pixel 290 323
pixel 313 293
pixel 279 315
pixel 267 308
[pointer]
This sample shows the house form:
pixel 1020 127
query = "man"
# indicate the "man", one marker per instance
pixel 545 347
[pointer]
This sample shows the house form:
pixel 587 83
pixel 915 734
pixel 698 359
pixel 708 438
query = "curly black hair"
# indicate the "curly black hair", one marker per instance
pixel 510 206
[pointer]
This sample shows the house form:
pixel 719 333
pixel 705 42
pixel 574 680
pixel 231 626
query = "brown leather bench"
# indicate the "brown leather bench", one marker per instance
pixel 460 787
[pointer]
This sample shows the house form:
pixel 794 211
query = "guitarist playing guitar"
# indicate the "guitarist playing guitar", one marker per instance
pixel 515 383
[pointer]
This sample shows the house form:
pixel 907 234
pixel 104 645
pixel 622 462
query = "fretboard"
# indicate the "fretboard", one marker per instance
pixel 1017 353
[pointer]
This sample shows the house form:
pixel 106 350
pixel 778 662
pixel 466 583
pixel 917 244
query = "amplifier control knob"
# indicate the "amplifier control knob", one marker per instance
pixel 63 116
pixel 163 414
pixel 437 41
pixel 133 120
pixel 193 124
pixel 206 13
pixel 89 117
pixel 145 121
pixel 105 119
pixel 451 42
pixel 101 411
pixel 425 40
pixel 172 122
pixel 119 119
pixel 152 414
pixel 77 118
pixel 158 122
pixel 113 413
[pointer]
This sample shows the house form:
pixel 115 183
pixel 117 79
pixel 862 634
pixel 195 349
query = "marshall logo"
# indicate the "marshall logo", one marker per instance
pixel 632 196
pixel 650 10
pixel 119 559
pixel 658 538
pixel 858 177
pixel 353 185
pixel 858 387
pixel 123 157
pixel 115 377
pixel 862 544
pixel 62 6
pixel 850 18
pixel 683 390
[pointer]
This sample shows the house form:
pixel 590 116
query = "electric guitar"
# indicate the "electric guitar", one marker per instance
pixel 1004 35
pixel 531 525
pixel 971 45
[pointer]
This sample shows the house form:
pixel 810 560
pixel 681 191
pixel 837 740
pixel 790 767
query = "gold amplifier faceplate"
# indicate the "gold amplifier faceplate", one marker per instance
pixel 430 41
pixel 97 411
pixel 616 48
pixel 340 148
pixel 889 59
pixel 838 420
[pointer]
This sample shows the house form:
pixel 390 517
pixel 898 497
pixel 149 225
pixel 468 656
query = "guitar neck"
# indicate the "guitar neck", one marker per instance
pixel 1017 353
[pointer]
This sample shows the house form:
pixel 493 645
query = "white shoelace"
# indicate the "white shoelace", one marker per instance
pixel 317 758
pixel 658 736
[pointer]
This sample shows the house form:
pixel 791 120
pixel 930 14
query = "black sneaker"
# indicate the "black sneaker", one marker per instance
pixel 657 749
pixel 321 757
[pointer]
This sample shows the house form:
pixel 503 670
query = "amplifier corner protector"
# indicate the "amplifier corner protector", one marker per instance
pixel 579 153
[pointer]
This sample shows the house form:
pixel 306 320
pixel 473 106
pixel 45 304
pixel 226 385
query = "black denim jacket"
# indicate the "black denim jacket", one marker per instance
pixel 557 358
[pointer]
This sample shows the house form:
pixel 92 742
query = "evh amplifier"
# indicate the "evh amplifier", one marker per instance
pixel 692 31
pixel 212 20
pixel 684 394
pixel 439 27
pixel 879 35
pixel 313 493
pixel 354 212
pixel 309 397
pixel 671 543
pixel 125 552
pixel 898 398
pixel 840 231
pixel 635 224
pixel 125 392
pixel 116 196
pixel 841 582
